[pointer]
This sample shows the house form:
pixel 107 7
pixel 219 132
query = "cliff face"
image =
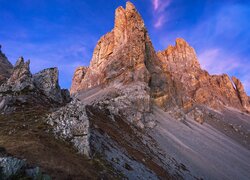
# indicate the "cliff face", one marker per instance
pixel 196 86
pixel 123 56
pixel 174 76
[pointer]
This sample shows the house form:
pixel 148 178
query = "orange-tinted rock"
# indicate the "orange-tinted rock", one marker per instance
pixel 174 76
pixel 119 57
pixel 78 77
pixel 194 85
pixel 241 93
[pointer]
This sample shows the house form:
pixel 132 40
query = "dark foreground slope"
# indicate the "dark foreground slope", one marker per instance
pixel 27 141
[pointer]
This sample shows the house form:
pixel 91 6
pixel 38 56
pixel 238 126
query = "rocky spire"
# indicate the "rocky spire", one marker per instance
pixel 21 77
pixel 174 76
pixel 47 82
pixel 119 55
pixel 241 93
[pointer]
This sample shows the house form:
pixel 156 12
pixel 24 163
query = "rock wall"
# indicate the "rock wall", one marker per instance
pixel 196 86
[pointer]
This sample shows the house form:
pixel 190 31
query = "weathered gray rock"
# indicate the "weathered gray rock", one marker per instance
pixel 22 83
pixel 20 79
pixel 131 101
pixel 47 81
pixel 71 123
pixel 10 166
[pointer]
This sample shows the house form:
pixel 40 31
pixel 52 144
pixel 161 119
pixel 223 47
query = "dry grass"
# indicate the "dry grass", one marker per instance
pixel 24 134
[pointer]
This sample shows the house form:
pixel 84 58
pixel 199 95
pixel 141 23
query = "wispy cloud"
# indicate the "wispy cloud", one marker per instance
pixel 159 22
pixel 158 10
pixel 217 62
pixel 155 4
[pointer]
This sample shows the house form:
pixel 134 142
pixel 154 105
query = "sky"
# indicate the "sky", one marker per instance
pixel 63 33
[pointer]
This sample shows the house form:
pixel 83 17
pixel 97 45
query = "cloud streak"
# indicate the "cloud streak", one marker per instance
pixel 159 7
pixel 155 4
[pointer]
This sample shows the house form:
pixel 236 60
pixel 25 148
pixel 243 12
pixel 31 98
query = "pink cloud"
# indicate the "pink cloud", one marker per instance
pixel 160 21
pixel 155 4
pixel 216 61
pixel 159 15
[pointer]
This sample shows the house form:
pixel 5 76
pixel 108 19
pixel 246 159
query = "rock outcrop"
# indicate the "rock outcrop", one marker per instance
pixel 71 123
pixel 78 77
pixel 196 86
pixel 47 81
pixel 123 56
pixel 174 77
pixel 5 67
pixel 20 79
pixel 126 56
pixel 23 88
pixel 241 93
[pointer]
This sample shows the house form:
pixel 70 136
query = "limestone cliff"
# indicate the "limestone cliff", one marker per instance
pixel 197 86
pixel 174 76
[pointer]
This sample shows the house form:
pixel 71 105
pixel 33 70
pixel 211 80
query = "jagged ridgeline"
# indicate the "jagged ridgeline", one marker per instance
pixel 134 113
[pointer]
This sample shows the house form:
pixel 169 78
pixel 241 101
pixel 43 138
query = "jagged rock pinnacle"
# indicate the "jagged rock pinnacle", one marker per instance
pixel 175 78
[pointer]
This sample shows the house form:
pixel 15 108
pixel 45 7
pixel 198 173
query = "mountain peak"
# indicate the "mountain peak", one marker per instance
pixel 128 22
pixel 180 42
pixel 126 56
pixel 130 6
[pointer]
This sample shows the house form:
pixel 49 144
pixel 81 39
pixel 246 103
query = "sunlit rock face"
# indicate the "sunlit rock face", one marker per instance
pixel 119 55
pixel 122 56
pixel 78 77
pixel 194 85
pixel 241 93
pixel 125 59
pixel 173 76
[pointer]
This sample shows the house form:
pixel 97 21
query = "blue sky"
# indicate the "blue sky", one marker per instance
pixel 63 33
